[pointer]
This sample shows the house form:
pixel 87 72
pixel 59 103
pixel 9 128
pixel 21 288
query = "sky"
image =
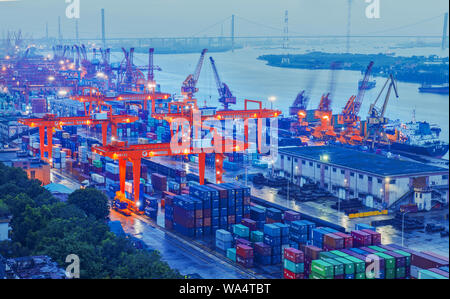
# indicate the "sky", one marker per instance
pixel 175 18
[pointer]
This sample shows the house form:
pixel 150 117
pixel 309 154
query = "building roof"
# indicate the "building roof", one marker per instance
pixel 58 188
pixel 362 161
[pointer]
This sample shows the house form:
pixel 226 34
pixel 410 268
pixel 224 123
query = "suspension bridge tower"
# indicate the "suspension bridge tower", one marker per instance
pixel 285 59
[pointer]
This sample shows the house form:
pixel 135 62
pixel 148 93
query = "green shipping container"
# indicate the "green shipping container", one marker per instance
pixel 390 274
pixel 379 249
pixel 389 260
pixel 322 268
pixel 241 230
pixel 338 267
pixel 314 275
pixel 349 267
pixel 231 254
pixel 360 266
pixel 339 253
pixel 327 255
pixel 400 272
pixel 360 275
pixel 293 267
pixel 256 236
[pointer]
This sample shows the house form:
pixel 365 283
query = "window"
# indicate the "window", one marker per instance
pixel 334 169
pixel 352 193
pixel 326 167
pixel 310 163
pixel 318 165
pixel 445 177
pixel 361 176
pixel 352 174
pixel 369 178
pixel 303 162
pixel 379 181
pixel 289 158
pixel 392 182
pixel 282 157
pixel 295 160
pixel 342 171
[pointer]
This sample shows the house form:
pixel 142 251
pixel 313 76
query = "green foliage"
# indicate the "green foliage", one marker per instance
pixel 4 209
pixel 43 226
pixel 91 201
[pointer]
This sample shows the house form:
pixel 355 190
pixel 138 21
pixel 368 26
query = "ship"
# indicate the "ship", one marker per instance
pixel 417 137
pixel 439 89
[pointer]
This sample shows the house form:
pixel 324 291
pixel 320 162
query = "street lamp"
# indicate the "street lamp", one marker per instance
pixel 271 100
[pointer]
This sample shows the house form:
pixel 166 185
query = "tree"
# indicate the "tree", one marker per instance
pixel 91 201
pixel 4 210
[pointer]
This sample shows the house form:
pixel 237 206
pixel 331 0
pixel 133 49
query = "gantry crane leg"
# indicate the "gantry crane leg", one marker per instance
pixel 136 177
pixel 122 174
pixel 201 168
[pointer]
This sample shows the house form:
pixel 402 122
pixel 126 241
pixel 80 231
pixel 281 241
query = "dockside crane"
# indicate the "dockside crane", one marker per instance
pixel 325 129
pixel 298 109
pixel 376 120
pixel 226 97
pixel 349 118
pixel 188 89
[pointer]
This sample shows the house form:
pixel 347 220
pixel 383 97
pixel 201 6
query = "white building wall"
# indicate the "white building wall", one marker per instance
pixel 388 189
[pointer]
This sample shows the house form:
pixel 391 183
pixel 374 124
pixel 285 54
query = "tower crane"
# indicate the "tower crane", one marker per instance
pixel 151 69
pixel 188 89
pixel 349 117
pixel 376 120
pixel 226 97
pixel 298 109
pixel 325 129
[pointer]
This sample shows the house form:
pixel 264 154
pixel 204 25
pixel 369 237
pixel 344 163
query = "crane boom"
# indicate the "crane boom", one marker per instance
pixel 226 97
pixel 362 90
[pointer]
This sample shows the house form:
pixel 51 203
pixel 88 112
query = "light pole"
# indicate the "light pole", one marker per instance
pixel 271 100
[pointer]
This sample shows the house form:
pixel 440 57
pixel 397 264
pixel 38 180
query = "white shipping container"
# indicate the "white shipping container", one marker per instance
pixel 112 168
pixel 101 116
pixel 98 178
pixel 129 187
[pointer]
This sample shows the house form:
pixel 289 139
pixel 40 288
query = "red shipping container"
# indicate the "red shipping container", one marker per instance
pixel 291 216
pixel 348 240
pixel 294 255
pixel 251 224
pixel 361 238
pixel 206 221
pixel 311 252
pixel 244 251
pixel 232 219
pixel 333 241
pixel 375 236
pixel 245 262
pixel 291 275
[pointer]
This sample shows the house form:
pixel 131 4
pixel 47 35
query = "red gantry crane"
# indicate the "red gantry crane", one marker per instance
pixel 49 122
pixel 349 117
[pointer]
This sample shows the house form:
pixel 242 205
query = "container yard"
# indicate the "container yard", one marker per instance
pixel 229 178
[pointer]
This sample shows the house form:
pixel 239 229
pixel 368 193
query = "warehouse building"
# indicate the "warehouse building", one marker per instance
pixel 378 181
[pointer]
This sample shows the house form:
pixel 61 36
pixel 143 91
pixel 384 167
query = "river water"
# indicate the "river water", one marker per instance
pixel 249 78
